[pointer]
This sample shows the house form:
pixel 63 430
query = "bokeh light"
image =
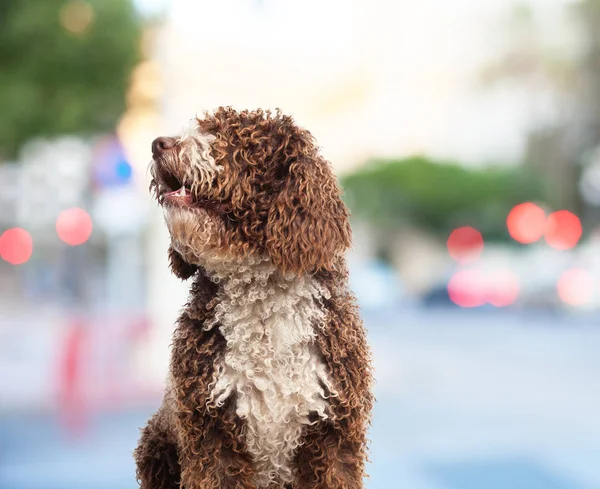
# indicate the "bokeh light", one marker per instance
pixel 16 246
pixel 563 230
pixel 575 287
pixel 502 288
pixel 110 165
pixel 526 222
pixel 123 170
pixel 466 288
pixel 74 226
pixel 465 244
pixel 77 16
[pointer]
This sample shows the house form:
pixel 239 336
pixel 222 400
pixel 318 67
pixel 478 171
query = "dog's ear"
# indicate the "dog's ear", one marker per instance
pixel 179 266
pixel 307 226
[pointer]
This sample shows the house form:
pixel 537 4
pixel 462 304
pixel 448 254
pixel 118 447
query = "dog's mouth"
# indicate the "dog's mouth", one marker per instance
pixel 172 190
pixel 181 196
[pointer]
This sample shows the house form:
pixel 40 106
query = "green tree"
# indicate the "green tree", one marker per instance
pixel 64 67
pixel 439 196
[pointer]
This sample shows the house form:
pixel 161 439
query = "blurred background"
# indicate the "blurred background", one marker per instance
pixel 467 139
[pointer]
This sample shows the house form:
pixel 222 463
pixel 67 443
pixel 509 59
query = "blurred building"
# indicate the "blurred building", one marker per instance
pixel 367 78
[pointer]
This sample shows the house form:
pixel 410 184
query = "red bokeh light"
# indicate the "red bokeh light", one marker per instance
pixel 16 246
pixel 74 226
pixel 563 230
pixel 465 244
pixel 526 223
pixel 466 288
pixel 575 287
pixel 502 288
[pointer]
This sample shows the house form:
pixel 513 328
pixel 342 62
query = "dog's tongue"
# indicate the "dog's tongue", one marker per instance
pixel 182 195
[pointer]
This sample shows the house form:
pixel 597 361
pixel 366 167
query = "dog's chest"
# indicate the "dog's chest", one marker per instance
pixel 273 366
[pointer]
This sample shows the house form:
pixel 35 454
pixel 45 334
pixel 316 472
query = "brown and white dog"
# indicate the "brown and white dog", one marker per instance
pixel 270 378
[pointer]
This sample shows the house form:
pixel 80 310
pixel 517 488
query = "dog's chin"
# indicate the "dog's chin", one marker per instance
pixel 194 232
pixel 199 237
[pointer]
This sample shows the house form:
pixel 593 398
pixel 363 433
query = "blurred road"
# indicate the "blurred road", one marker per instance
pixel 465 401
pixel 37 454
pixel 486 401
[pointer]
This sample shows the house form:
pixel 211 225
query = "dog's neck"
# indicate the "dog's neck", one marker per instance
pixel 240 270
pixel 255 280
pixel 256 286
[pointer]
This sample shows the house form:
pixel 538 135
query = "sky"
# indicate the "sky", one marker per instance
pixel 413 63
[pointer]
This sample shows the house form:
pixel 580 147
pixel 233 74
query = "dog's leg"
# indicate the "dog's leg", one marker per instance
pixel 156 455
pixel 330 457
pixel 333 451
pixel 213 453
pixel 212 450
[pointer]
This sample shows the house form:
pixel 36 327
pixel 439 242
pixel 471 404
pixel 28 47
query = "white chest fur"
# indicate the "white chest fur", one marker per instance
pixel 272 365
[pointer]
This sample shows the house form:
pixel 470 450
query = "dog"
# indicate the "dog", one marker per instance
pixel 270 376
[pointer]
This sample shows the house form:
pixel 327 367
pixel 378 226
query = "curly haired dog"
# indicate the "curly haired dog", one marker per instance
pixel 270 376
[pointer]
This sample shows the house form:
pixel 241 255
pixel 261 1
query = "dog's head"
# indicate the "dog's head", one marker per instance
pixel 239 186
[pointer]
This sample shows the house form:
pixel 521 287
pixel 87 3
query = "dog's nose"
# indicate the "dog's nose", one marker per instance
pixel 160 145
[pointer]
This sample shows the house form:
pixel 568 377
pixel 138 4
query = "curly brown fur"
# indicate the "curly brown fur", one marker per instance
pixel 333 453
pixel 211 444
pixel 157 456
pixel 270 374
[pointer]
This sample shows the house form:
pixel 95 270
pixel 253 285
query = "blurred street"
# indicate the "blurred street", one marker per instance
pixel 488 400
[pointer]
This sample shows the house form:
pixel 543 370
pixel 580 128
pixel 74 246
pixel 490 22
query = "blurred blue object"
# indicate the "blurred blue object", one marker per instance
pixel 438 297
pixel 123 171
pixel 110 165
